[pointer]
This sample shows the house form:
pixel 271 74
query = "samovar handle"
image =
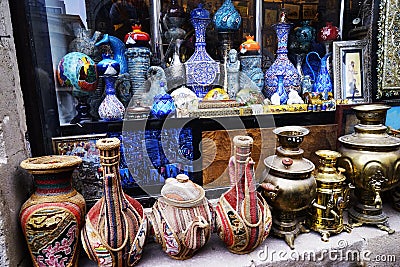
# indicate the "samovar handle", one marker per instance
pixel 270 190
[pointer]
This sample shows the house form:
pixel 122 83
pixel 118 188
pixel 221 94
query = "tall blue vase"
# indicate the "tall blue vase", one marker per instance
pixel 283 95
pixel 282 65
pixel 201 70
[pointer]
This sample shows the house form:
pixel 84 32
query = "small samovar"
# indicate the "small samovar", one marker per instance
pixel 289 185
pixel 326 212
pixel 371 160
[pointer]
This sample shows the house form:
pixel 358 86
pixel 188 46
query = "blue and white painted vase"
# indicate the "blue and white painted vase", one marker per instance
pixel 282 65
pixel 227 18
pixel 163 105
pixel 111 108
pixel 323 81
pixel 201 70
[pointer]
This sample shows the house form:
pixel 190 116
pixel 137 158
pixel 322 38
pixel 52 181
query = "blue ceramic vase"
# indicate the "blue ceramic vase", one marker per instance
pixel 281 90
pixel 163 106
pixel 282 65
pixel 118 48
pixel 201 70
pixel 138 64
pixel 111 108
pixel 322 81
pixel 227 18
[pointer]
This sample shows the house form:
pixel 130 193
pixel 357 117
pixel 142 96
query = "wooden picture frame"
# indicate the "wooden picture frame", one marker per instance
pixel 293 11
pixel 352 71
pixel 270 17
pixel 87 178
pixel 309 11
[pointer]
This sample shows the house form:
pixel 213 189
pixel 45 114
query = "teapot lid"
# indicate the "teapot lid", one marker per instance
pixel 181 192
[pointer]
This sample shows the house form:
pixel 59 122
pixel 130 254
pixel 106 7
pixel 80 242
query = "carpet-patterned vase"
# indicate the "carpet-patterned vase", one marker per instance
pixel 115 229
pixel 243 218
pixel 53 216
pixel 282 64
pixel 181 218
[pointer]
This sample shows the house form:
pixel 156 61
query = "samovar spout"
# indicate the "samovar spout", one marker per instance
pixel 376 182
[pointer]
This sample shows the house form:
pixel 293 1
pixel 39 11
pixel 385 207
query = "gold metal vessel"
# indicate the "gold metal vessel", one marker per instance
pixel 371 160
pixel 326 212
pixel 289 186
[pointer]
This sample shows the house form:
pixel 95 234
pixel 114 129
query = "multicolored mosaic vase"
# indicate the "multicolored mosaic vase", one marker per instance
pixel 53 216
pixel 181 218
pixel 243 218
pixel 201 70
pixel 116 227
pixel 282 65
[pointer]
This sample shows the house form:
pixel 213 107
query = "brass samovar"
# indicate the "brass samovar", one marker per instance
pixel 289 185
pixel 371 160
pixel 326 212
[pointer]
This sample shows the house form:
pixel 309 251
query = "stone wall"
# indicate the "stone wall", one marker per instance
pixel 14 183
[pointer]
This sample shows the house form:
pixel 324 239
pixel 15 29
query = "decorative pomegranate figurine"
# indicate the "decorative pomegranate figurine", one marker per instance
pixel 328 33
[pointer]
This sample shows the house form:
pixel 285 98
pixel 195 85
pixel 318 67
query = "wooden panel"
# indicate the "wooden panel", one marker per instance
pixel 217 148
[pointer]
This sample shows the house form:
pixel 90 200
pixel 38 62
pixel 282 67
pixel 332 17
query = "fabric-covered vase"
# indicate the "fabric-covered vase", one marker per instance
pixel 53 216
pixel 282 65
pixel 116 227
pixel 181 218
pixel 243 218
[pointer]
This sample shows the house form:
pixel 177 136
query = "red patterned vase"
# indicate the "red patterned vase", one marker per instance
pixel 243 218
pixel 182 218
pixel 115 228
pixel 52 217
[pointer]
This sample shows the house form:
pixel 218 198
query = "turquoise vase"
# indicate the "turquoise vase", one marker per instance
pixel 323 81
pixel 227 18
pixel 282 65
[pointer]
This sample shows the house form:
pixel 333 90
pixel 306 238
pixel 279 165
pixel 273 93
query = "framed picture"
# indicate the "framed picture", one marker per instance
pixel 352 71
pixel 388 60
pixel 293 11
pixel 270 17
pixel 310 11
pixel 87 178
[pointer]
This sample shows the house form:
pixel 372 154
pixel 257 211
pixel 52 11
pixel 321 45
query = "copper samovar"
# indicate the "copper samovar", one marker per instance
pixel 371 159
pixel 289 185
pixel 326 212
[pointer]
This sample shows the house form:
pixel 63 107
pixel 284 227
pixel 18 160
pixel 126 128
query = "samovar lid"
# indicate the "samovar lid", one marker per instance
pixel 289 166
pixel 371 131
pixel 181 192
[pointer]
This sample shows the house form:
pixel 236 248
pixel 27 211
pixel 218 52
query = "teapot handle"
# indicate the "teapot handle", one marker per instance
pixel 308 63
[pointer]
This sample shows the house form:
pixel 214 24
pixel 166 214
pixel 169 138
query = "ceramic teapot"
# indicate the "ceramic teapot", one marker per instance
pixel 181 218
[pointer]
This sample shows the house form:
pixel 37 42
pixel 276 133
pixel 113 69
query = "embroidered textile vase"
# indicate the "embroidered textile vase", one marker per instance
pixel 115 229
pixel 282 64
pixel 181 218
pixel 52 217
pixel 243 218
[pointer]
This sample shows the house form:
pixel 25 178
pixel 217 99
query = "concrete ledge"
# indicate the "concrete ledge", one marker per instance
pixel 364 246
